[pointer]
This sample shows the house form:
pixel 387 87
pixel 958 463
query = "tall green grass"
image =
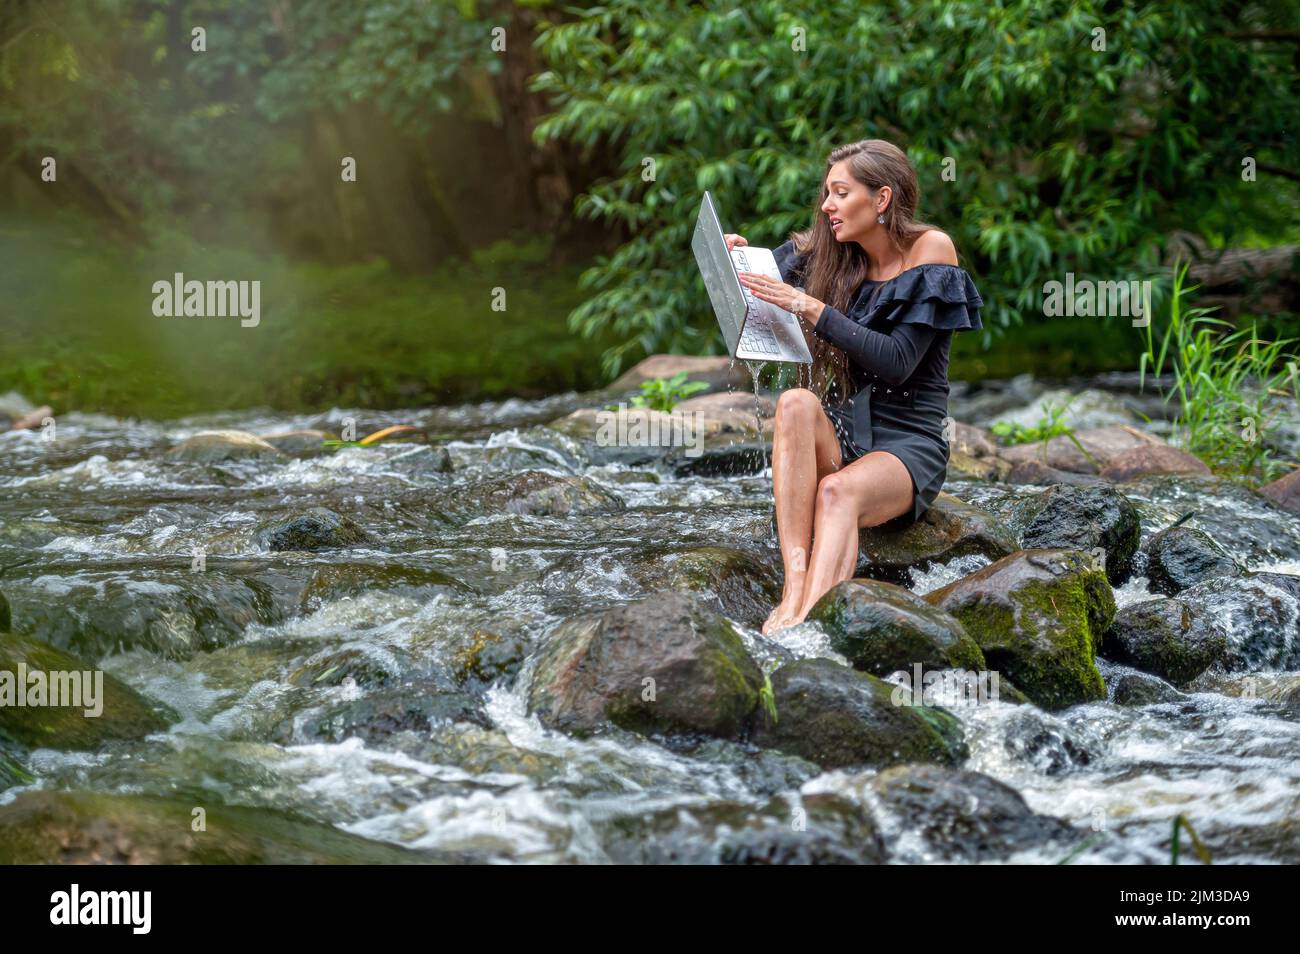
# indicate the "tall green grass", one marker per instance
pixel 1227 384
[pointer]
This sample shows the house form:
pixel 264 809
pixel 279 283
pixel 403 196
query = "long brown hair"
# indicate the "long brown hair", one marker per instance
pixel 834 270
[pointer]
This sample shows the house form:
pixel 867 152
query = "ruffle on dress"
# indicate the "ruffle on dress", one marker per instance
pixel 941 296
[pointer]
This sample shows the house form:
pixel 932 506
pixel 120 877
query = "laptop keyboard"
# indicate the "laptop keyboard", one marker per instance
pixel 758 338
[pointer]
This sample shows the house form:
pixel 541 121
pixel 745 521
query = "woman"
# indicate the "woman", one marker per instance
pixel 883 295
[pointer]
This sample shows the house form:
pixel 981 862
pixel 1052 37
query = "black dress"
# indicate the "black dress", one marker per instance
pixel 896 335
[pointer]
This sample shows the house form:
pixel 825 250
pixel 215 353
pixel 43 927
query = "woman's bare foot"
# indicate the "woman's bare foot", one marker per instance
pixel 784 615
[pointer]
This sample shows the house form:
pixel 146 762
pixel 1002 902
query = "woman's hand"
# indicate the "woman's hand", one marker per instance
pixel 734 241
pixel 783 296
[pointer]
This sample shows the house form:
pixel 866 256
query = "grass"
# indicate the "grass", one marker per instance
pixel 77 330
pixel 1224 380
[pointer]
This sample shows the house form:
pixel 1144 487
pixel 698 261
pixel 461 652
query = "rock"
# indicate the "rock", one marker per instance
pixel 951 528
pixel 12 772
pixel 1285 492
pixel 838 717
pixel 538 494
pixel 1179 557
pixel 171 611
pixel 719 374
pixel 312 530
pixel 489 657
pixel 122 712
pixel 972 441
pixel 881 628
pixel 964 467
pixel 1131 687
pixel 959 815
pixel 339 580
pixel 302 443
pixel 376 717
pixel 1157 636
pixel 210 447
pixel 1152 459
pixel 1052 747
pixel 1082 518
pixel 1257 614
pixel 733 581
pixel 1038 615
pixel 1039 474
pixel 48 827
pixel 33 419
pixel 13 406
pixel 662 664
pixel 1100 446
pixel 333 668
pixel 738 460
pixel 6 619
pixel 817 829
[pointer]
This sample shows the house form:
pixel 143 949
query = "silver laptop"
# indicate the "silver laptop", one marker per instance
pixel 754 329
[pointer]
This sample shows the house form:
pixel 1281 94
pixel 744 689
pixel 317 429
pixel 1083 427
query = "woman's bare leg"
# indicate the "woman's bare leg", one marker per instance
pixel 874 488
pixel 804 450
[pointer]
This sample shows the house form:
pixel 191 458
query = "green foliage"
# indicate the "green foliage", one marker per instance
pixel 767 698
pixel 1203 853
pixel 1050 425
pixel 663 394
pixel 1225 383
pixel 79 332
pixel 1066 157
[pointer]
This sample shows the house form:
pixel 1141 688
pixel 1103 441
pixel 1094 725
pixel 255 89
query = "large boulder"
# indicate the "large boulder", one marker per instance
pixel 1160 637
pixel 665 664
pixel 210 447
pixel 952 814
pixel 1038 615
pixel 1146 459
pixel 838 717
pixel 1179 557
pixel 881 628
pixel 719 373
pixel 1082 518
pixel 1085 452
pixel 1285 492
pixel 101 709
pixel 316 529
pixel 951 528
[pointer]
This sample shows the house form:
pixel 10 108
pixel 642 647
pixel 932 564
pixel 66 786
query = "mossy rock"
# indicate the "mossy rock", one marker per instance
pixel 837 717
pixel 951 528
pixel 665 664
pixel 881 628
pixel 124 713
pixel 339 580
pixel 91 828
pixel 1039 616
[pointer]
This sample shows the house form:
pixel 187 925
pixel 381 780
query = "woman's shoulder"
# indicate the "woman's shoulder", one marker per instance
pixel 934 289
pixel 788 259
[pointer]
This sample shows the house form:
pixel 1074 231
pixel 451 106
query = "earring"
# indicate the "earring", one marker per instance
pixel 881 218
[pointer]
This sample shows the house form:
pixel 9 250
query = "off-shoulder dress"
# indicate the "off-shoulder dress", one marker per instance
pixel 896 335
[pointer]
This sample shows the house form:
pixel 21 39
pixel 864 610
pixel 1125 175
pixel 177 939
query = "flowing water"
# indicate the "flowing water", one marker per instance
pixel 99 532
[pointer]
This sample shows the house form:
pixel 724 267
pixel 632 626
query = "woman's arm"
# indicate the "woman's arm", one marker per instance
pixel 892 357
